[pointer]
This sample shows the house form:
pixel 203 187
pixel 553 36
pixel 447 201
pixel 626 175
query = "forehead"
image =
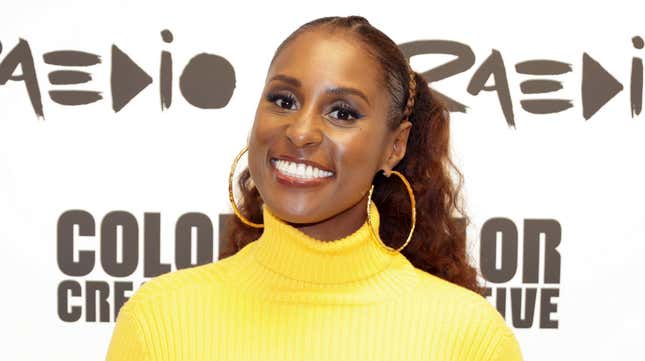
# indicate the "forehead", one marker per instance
pixel 319 57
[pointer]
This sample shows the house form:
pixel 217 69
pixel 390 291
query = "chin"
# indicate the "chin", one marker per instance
pixel 297 215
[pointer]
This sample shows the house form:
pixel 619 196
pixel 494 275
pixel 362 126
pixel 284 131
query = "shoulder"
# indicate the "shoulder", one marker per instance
pixel 461 301
pixel 178 286
pixel 470 315
pixel 440 289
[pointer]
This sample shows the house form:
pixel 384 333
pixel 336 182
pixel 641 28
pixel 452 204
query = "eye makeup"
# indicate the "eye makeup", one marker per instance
pixel 341 106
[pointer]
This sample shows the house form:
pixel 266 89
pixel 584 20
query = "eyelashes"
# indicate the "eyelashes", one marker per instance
pixel 272 97
pixel 289 100
pixel 342 107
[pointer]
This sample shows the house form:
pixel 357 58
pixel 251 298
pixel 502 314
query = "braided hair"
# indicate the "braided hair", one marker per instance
pixel 438 244
pixel 412 86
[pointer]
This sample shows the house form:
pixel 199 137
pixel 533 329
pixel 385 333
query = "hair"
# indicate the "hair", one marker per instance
pixel 438 244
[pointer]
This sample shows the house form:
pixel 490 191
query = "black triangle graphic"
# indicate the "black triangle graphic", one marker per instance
pixel 598 86
pixel 126 80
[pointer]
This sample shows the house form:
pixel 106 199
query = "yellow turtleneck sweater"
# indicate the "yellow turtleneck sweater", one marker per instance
pixel 287 296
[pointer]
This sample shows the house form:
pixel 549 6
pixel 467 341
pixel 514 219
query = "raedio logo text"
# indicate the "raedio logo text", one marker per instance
pixel 598 85
pixel 206 82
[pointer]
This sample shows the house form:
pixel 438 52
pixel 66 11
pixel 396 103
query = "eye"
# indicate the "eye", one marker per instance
pixel 286 101
pixel 343 111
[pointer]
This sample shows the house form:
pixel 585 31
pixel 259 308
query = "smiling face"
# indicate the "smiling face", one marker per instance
pixel 320 132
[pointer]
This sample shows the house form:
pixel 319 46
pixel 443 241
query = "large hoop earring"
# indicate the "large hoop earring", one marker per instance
pixel 414 215
pixel 232 198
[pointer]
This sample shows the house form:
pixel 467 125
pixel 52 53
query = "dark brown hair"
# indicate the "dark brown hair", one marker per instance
pixel 438 245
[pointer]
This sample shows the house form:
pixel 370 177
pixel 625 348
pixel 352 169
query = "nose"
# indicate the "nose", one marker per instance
pixel 305 130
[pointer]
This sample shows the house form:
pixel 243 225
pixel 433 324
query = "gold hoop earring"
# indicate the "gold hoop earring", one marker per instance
pixel 232 198
pixel 414 215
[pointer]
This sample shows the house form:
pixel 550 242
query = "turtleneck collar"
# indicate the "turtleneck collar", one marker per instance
pixel 290 252
pixel 286 265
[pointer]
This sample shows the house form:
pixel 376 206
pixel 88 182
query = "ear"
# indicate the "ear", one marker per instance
pixel 396 147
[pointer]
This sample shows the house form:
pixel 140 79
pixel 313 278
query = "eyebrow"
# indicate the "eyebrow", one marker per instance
pixel 335 90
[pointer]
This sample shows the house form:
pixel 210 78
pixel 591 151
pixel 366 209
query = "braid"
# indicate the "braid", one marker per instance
pixel 412 85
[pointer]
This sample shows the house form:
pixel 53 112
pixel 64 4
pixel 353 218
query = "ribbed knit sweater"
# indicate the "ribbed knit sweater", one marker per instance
pixel 288 296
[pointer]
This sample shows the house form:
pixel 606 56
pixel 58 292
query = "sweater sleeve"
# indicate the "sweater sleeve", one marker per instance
pixel 502 339
pixel 127 342
pixel 508 349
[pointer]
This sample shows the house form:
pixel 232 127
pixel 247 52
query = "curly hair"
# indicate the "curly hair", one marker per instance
pixel 438 245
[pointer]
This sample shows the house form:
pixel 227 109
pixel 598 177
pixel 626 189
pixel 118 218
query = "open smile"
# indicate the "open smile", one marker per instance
pixel 299 173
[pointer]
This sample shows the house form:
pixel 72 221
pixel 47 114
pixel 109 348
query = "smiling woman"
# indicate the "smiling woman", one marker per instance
pixel 315 269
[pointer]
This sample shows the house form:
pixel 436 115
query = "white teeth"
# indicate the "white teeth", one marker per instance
pixel 300 170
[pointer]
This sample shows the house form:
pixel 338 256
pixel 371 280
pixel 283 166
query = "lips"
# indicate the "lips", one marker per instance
pixel 296 181
pixel 303 161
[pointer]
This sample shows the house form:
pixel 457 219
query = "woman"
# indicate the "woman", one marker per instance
pixel 309 275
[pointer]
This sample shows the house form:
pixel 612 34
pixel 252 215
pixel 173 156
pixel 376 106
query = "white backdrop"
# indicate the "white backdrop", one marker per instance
pixel 583 177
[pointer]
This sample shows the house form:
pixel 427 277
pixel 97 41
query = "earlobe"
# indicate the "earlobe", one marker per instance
pixel 398 149
pixel 392 158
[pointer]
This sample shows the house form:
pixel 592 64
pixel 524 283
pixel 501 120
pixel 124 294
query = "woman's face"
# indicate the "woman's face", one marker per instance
pixel 320 133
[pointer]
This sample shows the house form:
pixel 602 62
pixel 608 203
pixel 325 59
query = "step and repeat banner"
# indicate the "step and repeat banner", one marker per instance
pixel 119 122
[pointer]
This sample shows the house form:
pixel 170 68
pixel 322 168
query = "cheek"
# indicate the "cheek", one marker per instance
pixel 359 158
pixel 266 127
pixel 261 132
pixel 260 138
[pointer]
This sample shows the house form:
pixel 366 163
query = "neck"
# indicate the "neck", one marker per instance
pixel 338 226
